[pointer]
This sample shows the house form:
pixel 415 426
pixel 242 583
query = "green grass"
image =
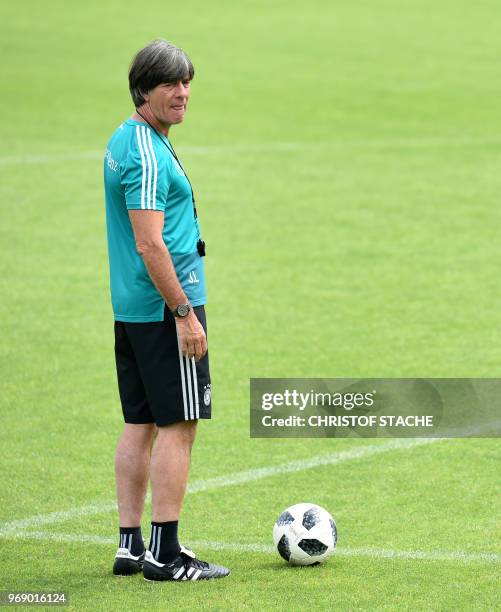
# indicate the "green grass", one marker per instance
pixel 348 187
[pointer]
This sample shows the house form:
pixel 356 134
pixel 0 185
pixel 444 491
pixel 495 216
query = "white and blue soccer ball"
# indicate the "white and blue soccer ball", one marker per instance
pixel 305 534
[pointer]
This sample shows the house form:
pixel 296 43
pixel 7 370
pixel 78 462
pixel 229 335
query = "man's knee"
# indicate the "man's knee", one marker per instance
pixel 183 432
pixel 137 436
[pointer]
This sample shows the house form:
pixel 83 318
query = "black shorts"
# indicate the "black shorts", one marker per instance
pixel 157 384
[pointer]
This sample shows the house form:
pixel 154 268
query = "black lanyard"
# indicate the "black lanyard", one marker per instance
pixel 170 148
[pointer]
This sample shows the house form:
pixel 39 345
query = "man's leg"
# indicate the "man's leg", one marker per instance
pixel 170 464
pixel 132 463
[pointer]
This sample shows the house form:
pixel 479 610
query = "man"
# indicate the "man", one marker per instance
pixel 158 296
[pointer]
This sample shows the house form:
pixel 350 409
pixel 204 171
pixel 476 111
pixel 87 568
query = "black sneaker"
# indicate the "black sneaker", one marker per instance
pixel 184 567
pixel 126 564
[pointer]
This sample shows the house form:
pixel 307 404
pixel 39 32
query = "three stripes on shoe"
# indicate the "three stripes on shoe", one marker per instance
pixel 191 574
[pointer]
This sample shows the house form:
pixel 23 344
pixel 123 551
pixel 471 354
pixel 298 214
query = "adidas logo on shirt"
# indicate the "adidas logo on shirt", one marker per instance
pixel 192 277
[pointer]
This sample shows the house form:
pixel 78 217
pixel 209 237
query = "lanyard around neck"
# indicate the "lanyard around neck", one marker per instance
pixel 170 148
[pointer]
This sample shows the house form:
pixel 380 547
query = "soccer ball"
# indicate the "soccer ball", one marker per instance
pixel 305 534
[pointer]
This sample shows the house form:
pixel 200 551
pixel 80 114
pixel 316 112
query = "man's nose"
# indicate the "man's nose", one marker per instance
pixel 180 90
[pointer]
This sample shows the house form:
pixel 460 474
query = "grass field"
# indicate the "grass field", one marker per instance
pixel 345 158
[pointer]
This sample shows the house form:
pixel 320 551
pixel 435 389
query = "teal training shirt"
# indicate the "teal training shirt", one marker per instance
pixel 141 174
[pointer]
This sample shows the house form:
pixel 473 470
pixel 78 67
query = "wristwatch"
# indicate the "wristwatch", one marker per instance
pixel 181 310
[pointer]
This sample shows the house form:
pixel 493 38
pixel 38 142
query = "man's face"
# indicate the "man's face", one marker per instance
pixel 168 101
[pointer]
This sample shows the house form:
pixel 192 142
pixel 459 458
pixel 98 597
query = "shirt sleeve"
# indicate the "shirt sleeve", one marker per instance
pixel 145 178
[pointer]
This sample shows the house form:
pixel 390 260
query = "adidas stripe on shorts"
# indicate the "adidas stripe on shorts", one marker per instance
pixel 157 384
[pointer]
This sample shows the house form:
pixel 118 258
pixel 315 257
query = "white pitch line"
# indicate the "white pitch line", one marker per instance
pixel 272 147
pixel 67 538
pixel 421 555
pixel 412 555
pixel 359 452
pixel 49 158
pixel 57 517
pixel 375 553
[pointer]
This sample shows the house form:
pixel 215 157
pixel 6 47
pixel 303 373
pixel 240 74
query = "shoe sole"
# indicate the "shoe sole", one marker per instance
pixel 160 578
pixel 199 580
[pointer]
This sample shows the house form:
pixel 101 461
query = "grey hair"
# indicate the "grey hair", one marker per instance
pixel 159 62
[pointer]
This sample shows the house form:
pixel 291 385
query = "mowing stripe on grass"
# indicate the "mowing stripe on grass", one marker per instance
pixel 376 553
pixel 359 452
pixel 273 147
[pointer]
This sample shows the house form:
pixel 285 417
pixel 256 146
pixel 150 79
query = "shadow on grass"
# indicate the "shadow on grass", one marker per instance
pixel 277 566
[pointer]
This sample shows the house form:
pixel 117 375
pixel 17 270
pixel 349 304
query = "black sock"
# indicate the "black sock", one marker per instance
pixel 164 545
pixel 131 538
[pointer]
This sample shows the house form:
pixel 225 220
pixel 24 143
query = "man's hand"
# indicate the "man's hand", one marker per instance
pixel 191 336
